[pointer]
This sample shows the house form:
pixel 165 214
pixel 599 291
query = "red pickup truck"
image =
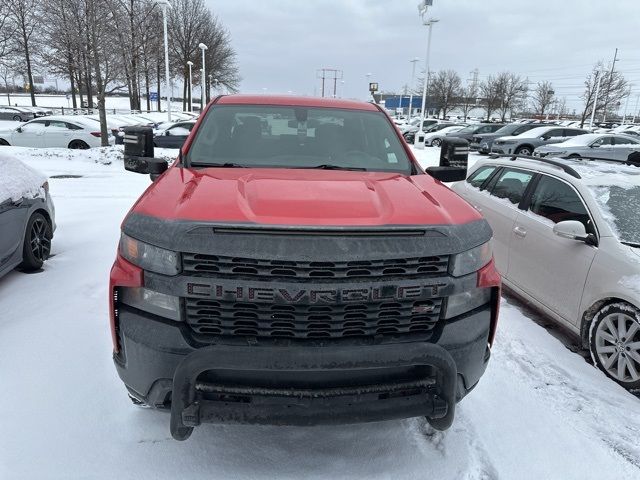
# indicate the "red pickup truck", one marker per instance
pixel 295 265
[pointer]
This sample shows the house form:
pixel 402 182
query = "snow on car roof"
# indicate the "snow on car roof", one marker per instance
pixel 17 180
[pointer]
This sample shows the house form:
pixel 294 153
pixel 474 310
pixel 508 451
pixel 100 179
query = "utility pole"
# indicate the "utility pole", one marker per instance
pixel 626 104
pixel 595 100
pixel 413 77
pixel 336 75
pixel 474 87
pixel 606 97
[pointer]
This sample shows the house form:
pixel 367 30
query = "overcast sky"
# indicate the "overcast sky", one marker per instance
pixel 282 43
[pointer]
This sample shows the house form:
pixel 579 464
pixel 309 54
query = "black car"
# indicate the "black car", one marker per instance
pixel 174 136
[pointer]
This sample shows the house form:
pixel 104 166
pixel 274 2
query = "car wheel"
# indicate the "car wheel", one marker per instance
pixel 523 151
pixel 78 145
pixel 37 243
pixel 16 118
pixel 436 142
pixel 3 142
pixel 574 155
pixel 614 343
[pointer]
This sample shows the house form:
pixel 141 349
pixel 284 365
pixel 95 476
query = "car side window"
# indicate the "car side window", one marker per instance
pixel 71 126
pixel 477 178
pixel 557 132
pixel 179 130
pixel 33 126
pixel 55 124
pixel 557 201
pixel 624 141
pixel 512 185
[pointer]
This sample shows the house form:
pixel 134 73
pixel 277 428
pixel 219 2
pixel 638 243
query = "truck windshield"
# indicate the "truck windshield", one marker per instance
pixel 297 137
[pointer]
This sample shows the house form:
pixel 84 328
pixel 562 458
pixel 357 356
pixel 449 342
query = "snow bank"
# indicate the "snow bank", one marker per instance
pixel 18 180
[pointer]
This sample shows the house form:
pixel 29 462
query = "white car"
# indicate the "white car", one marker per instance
pixel 567 240
pixel 55 131
pixel 434 139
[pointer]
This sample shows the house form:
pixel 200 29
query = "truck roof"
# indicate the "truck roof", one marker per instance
pixel 295 101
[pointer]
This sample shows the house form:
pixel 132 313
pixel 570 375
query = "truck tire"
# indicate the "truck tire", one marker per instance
pixel 37 243
pixel 614 343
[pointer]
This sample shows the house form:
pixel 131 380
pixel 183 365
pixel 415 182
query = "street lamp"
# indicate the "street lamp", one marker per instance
pixel 429 23
pixel 413 76
pixel 202 47
pixel 595 101
pixel 165 4
pixel 190 63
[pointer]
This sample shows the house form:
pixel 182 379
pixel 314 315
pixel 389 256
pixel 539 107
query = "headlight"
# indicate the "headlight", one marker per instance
pixel 151 301
pixel 467 301
pixel 149 257
pixel 472 260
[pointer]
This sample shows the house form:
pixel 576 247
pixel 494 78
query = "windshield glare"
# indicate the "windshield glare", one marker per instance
pixel 297 137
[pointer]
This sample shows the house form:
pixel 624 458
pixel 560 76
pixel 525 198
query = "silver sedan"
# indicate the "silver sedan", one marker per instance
pixel 594 145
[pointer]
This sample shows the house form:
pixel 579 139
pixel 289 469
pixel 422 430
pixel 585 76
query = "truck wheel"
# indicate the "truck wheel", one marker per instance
pixel 614 343
pixel 37 243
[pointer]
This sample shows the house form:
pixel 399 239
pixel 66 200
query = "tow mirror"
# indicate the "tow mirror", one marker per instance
pixel 138 152
pixel 454 158
pixel 574 230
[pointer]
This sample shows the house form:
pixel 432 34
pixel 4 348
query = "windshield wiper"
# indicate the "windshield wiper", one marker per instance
pixel 631 244
pixel 328 166
pixel 219 165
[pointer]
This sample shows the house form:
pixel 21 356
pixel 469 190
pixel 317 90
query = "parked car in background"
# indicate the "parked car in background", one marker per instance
pixel 55 131
pixel 174 135
pixel 410 136
pixel 477 129
pixel 27 216
pixel 567 240
pixel 526 143
pixel 38 111
pixel 482 142
pixel 16 114
pixel 596 145
pixel 434 139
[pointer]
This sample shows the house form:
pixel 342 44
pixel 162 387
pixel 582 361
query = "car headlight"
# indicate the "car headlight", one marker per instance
pixel 472 260
pixel 149 257
pixel 157 303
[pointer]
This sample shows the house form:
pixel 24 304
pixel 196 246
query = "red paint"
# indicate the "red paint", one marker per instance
pixel 123 274
pixel 281 196
pixel 488 276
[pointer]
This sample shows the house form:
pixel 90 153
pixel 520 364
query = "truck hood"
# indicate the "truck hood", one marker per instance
pixel 302 197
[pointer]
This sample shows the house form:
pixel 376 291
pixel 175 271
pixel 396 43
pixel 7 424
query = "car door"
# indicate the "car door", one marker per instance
pixel 602 147
pixel 498 199
pixel 56 134
pixel 623 147
pixel 175 136
pixel 551 269
pixel 30 134
pixel 13 218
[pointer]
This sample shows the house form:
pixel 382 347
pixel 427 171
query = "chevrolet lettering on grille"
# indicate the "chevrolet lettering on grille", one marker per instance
pixel 312 295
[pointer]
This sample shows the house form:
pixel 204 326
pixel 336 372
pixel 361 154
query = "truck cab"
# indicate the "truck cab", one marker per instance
pixel 295 265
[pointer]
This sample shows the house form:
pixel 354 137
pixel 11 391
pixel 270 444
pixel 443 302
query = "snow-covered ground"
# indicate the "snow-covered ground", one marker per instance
pixel 540 411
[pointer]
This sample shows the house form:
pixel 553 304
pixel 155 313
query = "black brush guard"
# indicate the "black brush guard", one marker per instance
pixel 433 396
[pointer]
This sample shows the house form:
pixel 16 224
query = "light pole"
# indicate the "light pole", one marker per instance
pixel 190 63
pixel 429 23
pixel 595 101
pixel 165 4
pixel 368 75
pixel 413 78
pixel 202 47
pixel 626 104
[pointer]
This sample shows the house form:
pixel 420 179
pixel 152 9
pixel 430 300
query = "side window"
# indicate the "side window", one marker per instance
pixel 624 141
pixel 71 126
pixel 555 133
pixel 511 185
pixel 485 129
pixel 477 178
pixel 33 127
pixel 557 201
pixel 57 125
pixel 572 133
pixel 179 130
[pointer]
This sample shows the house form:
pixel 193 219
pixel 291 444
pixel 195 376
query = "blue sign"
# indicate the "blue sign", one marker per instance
pixel 153 96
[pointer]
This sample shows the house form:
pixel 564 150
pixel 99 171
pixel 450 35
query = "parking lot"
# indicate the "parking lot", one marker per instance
pixel 542 411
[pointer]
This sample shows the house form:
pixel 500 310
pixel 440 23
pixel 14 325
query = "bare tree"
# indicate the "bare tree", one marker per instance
pixel 469 98
pixel 24 16
pixel 543 97
pixel 613 88
pixel 491 93
pixel 446 87
pixel 512 90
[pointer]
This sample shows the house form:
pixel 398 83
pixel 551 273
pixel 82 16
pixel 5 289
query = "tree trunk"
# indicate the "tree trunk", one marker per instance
pixel 159 96
pixel 146 86
pixel 73 86
pixel 28 60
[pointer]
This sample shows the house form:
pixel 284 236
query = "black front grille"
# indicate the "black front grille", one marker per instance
pixel 219 317
pixel 204 265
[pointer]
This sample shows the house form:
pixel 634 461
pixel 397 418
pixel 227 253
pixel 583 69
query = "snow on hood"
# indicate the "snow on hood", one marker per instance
pixel 17 180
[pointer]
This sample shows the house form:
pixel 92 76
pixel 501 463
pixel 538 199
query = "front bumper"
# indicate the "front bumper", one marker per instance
pixel 298 384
